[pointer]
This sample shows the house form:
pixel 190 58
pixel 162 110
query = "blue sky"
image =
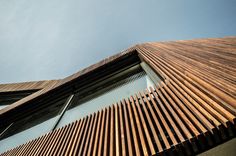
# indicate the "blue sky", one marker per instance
pixel 52 39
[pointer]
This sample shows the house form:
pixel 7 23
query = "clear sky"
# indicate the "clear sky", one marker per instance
pixel 51 39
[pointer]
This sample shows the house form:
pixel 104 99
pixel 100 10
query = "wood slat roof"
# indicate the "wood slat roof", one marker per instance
pixel 193 109
pixel 34 85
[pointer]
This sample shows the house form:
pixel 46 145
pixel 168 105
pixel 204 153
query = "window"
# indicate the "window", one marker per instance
pixel 86 99
pixel 7 98
pixel 30 127
pixel 120 87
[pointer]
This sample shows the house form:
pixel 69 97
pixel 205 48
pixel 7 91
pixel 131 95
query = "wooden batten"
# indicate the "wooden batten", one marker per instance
pixel 191 110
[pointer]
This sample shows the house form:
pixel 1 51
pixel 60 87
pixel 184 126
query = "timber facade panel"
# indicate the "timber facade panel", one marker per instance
pixel 192 109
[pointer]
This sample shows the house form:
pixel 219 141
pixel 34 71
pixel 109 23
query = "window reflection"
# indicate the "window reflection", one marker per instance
pixel 30 127
pixel 120 90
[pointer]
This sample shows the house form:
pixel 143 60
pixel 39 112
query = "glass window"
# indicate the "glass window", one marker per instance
pixel 7 98
pixel 26 135
pixel 30 127
pixel 120 89
pixel 88 98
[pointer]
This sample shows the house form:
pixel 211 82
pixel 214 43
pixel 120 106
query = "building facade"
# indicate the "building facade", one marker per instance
pixel 165 98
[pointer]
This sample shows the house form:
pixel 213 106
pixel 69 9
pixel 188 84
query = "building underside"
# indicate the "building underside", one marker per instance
pixel 176 97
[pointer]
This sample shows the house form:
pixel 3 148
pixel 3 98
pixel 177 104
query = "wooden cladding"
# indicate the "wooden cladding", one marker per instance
pixel 154 121
pixel 192 110
pixel 34 85
pixel 210 64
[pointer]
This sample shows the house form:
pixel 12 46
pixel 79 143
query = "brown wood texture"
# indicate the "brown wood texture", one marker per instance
pixel 192 110
pixel 34 85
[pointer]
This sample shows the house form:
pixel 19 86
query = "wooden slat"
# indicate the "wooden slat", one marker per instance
pixel 172 122
pixel 154 132
pixel 95 147
pixel 87 137
pixel 93 134
pixel 122 132
pixel 106 137
pixel 34 85
pixel 112 133
pixel 140 127
pixel 101 136
pixel 81 143
pixel 71 151
pixel 167 128
pixel 80 134
pixel 133 126
pixel 194 103
pixel 130 144
pixel 70 144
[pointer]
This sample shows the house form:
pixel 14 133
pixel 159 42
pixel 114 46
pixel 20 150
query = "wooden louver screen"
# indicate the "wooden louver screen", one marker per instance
pixel 152 122
pixel 191 111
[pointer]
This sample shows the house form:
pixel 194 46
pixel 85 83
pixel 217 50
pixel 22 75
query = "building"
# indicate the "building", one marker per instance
pixel 153 98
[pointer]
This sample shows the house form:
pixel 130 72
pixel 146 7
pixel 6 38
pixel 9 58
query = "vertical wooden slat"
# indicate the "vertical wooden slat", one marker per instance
pixel 197 113
pixel 112 132
pixel 134 132
pixel 64 140
pixel 122 131
pixel 19 150
pixel 127 129
pixel 59 140
pixel 81 132
pixel 106 138
pixel 40 144
pixel 81 144
pixel 178 101
pixel 167 127
pixel 76 138
pixel 16 150
pixel 88 137
pixel 173 112
pixel 72 151
pixel 52 139
pixel 194 99
pixel 177 131
pixel 162 133
pixel 139 125
pixel 179 109
pixel 27 150
pixel 67 139
pixel 151 125
pixel 70 144
pixel 101 136
pixel 93 133
pixel 117 131
pixel 95 147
